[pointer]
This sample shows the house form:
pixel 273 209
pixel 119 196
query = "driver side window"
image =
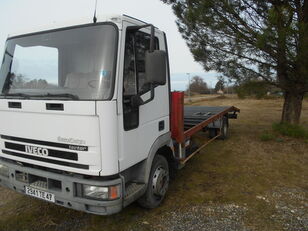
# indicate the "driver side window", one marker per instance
pixel 134 77
pixel 129 76
pixel 136 46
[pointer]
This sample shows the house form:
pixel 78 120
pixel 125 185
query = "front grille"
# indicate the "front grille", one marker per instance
pixel 46 143
pixel 38 182
pixel 43 154
pixel 51 152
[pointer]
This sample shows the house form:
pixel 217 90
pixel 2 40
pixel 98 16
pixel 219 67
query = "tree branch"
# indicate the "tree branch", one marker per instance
pixel 259 74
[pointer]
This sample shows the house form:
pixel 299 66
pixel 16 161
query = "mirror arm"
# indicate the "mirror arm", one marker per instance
pixel 152 95
pixel 137 101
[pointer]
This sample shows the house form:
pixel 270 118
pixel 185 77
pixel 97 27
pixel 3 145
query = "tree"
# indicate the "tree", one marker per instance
pixel 251 39
pixel 220 85
pixel 197 85
pixel 258 89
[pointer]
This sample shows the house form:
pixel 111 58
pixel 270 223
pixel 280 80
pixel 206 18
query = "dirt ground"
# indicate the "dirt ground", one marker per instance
pixel 242 183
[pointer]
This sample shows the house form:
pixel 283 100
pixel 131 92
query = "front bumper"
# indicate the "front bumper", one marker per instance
pixel 65 195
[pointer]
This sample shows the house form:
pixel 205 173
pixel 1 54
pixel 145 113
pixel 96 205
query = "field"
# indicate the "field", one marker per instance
pixel 242 183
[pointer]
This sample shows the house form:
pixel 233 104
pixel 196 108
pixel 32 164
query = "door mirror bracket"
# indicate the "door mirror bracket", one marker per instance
pixel 137 101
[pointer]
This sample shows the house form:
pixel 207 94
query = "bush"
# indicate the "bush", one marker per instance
pixel 291 130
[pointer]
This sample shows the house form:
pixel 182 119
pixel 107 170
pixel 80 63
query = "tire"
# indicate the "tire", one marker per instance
pixel 157 185
pixel 212 132
pixel 224 129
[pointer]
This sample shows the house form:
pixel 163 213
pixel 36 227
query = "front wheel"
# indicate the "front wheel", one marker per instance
pixel 157 185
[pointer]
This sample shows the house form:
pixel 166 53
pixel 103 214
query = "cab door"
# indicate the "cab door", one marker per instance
pixel 140 126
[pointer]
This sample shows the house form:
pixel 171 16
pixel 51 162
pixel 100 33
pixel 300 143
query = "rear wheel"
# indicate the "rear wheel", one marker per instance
pixel 157 185
pixel 213 132
pixel 224 130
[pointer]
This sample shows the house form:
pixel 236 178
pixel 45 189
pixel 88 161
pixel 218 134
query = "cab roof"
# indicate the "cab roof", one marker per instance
pixel 116 19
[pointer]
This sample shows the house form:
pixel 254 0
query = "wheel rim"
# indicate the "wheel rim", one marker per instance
pixel 160 181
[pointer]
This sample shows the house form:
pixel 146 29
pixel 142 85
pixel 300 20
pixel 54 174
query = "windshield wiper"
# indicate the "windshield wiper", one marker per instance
pixel 16 95
pixel 61 95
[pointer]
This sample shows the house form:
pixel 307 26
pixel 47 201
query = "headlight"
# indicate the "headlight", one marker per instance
pixel 103 193
pixel 4 170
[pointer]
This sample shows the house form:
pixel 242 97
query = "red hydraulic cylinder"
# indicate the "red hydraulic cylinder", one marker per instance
pixel 177 116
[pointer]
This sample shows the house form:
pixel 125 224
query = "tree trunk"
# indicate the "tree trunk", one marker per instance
pixel 292 107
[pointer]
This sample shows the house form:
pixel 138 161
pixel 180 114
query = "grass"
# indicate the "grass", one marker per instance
pixel 236 171
pixel 284 129
pixel 267 136
pixel 291 130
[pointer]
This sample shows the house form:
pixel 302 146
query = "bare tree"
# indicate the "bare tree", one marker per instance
pixel 198 85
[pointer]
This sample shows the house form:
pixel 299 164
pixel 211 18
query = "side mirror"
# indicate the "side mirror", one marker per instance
pixel 155 67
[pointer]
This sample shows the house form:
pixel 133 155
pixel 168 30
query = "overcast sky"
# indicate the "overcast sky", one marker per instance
pixel 18 15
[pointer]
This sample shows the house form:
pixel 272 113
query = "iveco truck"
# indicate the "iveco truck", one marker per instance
pixel 87 118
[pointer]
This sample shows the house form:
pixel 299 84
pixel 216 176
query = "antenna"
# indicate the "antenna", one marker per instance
pixel 94 17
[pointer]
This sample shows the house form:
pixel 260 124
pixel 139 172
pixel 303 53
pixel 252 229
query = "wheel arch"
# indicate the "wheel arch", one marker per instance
pixel 162 146
pixel 167 152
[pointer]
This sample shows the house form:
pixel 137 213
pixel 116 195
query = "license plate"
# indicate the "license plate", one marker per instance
pixel 40 194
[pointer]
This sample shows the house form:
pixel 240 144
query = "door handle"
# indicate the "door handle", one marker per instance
pixel 161 125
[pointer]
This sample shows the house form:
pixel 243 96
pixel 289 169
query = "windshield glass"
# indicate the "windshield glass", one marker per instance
pixel 75 63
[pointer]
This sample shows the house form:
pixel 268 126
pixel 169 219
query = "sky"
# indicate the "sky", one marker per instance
pixel 19 15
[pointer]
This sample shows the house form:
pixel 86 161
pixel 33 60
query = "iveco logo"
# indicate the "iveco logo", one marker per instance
pixel 37 150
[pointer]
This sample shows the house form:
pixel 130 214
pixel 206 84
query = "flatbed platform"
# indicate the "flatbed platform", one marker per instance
pixel 197 118
pixel 194 115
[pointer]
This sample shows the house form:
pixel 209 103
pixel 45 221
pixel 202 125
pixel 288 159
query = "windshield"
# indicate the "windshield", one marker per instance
pixel 76 63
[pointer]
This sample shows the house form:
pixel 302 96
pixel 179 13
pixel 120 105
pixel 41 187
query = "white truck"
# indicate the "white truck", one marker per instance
pixel 87 118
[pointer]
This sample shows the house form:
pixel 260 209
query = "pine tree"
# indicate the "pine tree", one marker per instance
pixel 251 39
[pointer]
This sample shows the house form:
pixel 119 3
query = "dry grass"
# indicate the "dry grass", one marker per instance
pixel 240 171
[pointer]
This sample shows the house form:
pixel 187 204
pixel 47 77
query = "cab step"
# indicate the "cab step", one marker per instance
pixel 133 191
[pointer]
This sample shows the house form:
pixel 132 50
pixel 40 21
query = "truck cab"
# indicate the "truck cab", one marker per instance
pixel 81 121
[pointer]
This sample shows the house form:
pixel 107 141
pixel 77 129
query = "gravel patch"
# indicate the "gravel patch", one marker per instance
pixel 70 224
pixel 290 213
pixel 202 218
pixel 291 208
